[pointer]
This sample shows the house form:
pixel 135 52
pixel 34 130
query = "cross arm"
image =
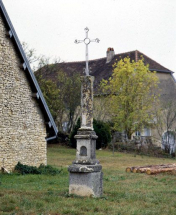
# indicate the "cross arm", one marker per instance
pixel 95 40
pixel 79 41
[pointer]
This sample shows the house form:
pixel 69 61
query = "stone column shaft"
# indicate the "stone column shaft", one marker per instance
pixel 87 102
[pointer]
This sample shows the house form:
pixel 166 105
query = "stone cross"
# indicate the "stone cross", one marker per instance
pixel 87 42
pixel 85 172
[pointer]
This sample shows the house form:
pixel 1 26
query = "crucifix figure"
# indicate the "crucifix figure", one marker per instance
pixel 87 42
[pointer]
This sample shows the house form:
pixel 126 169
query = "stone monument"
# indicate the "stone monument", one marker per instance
pixel 85 172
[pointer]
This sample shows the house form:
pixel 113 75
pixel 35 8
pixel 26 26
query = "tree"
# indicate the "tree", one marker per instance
pixel 51 94
pixel 70 89
pixel 30 53
pixel 131 92
pixel 62 96
pixel 37 61
pixel 101 109
pixel 165 116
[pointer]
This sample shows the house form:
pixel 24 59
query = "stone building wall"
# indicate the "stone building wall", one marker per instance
pixel 22 127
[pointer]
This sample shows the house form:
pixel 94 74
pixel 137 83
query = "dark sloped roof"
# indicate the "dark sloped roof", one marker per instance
pixel 50 125
pixel 99 68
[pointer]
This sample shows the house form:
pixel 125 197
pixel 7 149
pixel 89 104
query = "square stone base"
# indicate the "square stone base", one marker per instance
pixel 86 183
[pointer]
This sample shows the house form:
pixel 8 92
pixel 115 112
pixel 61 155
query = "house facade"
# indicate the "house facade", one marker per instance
pixel 25 120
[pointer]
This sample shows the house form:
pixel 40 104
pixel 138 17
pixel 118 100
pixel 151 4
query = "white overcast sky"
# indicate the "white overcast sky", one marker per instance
pixel 51 26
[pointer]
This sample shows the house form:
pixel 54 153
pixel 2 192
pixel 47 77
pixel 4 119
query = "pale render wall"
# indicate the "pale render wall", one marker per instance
pixel 22 128
pixel 167 87
pixel 167 93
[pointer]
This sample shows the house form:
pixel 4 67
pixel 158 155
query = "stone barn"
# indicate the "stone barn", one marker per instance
pixel 25 120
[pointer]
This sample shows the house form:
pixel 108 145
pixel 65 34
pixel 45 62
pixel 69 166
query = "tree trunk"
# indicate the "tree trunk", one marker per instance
pixel 129 134
pixel 135 168
pixel 160 170
pixel 152 169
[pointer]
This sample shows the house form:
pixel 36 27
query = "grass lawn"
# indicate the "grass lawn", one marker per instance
pixel 124 193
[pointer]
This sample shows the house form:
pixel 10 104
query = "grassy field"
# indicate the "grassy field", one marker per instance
pixel 124 193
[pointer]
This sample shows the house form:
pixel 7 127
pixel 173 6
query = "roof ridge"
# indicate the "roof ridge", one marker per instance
pixel 82 61
pixel 96 58
pixel 137 55
pixel 124 53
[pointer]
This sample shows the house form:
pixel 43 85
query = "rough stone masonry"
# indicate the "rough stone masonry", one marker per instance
pixel 22 127
pixel 85 172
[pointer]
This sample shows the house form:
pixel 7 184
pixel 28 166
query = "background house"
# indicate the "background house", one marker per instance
pixel 25 120
pixel 102 69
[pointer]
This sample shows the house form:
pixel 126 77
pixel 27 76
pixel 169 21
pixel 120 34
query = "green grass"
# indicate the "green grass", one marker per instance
pixel 123 193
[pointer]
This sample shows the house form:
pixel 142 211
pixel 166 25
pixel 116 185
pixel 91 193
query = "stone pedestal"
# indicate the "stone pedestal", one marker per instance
pixel 85 172
pixel 83 182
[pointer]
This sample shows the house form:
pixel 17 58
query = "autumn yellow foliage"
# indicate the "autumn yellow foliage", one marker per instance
pixel 132 93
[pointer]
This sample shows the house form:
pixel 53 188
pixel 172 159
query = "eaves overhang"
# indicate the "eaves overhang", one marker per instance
pixel 161 71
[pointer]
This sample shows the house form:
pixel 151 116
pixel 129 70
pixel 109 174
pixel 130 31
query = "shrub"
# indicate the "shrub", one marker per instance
pixel 101 129
pixel 42 169
pixel 132 147
pixel 103 132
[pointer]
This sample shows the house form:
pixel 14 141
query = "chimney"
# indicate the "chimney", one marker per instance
pixel 110 54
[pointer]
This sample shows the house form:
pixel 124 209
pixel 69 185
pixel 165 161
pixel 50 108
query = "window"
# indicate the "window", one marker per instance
pixel 138 133
pixel 147 132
